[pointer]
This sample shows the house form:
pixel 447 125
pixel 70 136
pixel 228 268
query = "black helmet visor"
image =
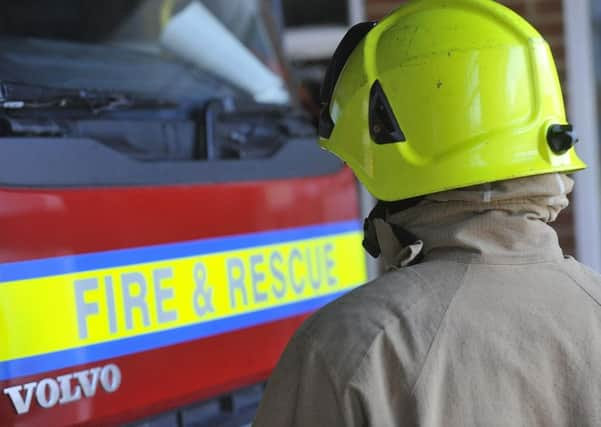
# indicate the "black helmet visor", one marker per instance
pixel 348 43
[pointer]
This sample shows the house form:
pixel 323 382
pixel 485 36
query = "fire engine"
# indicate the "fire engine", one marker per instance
pixel 166 218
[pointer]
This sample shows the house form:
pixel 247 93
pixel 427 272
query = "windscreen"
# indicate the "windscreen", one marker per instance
pixel 231 39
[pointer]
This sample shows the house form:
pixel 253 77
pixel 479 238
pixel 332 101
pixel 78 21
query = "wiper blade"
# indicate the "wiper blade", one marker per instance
pixel 251 131
pixel 16 96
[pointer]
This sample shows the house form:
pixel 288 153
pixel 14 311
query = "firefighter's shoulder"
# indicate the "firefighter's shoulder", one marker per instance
pixel 394 317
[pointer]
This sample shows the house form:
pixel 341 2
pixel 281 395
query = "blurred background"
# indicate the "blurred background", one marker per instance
pixel 293 40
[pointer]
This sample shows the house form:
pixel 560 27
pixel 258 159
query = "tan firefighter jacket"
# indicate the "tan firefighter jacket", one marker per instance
pixel 495 327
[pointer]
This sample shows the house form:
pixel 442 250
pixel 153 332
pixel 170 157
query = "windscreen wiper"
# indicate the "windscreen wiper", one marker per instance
pixel 143 128
pixel 251 131
pixel 159 130
pixel 17 96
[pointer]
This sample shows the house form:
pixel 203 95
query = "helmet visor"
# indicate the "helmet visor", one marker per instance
pixel 346 46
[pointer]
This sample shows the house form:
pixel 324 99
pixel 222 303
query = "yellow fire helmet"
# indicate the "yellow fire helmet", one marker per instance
pixel 443 94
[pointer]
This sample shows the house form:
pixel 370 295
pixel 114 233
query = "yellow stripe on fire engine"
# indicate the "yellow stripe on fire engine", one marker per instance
pixel 47 314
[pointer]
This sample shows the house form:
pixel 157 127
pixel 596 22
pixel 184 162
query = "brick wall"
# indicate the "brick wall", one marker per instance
pixel 546 16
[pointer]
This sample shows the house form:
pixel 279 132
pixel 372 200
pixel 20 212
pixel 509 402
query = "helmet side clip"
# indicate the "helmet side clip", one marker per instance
pixel 383 126
pixel 561 138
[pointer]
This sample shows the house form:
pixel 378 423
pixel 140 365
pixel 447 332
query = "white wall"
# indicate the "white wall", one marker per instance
pixel 582 112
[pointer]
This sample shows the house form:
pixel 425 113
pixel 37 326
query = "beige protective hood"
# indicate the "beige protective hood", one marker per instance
pixel 483 220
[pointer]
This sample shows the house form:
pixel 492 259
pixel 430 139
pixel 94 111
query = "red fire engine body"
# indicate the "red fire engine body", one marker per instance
pixel 44 224
pixel 167 220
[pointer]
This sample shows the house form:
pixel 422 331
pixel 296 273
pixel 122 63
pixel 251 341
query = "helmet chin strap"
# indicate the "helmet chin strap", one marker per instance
pixel 396 246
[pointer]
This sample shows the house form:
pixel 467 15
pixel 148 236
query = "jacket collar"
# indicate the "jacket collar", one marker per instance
pixel 494 237
pixel 500 223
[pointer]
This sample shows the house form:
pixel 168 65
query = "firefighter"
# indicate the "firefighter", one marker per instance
pixel 451 114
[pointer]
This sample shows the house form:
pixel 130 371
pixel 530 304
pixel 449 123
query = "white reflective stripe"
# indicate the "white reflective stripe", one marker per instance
pixel 487 194
pixel 562 186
